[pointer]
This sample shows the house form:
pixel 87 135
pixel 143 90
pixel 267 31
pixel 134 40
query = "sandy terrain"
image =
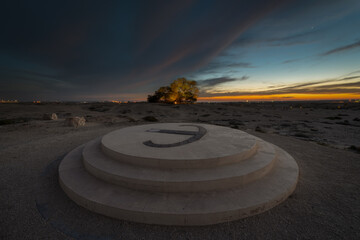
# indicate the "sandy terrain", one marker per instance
pixel 324 139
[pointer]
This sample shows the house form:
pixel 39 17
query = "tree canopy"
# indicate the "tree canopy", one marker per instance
pixel 180 91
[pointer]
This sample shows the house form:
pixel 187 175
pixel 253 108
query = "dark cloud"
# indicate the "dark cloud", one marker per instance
pixel 328 86
pixel 72 49
pixel 116 47
pixel 352 77
pixel 323 86
pixel 208 83
pixel 325 89
pixel 277 86
pixel 342 49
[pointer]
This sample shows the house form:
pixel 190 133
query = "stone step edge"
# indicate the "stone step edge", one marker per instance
pixel 140 211
pixel 180 163
pixel 151 181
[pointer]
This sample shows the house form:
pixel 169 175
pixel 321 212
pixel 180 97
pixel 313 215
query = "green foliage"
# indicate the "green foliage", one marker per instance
pixel 180 91
pixel 161 95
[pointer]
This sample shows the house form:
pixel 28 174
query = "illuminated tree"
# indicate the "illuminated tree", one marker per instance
pixel 164 94
pixel 184 91
pixel 180 91
pixel 161 95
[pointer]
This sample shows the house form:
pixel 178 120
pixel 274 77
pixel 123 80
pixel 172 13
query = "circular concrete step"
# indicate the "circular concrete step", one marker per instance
pixel 201 208
pixel 178 179
pixel 179 145
pixel 203 174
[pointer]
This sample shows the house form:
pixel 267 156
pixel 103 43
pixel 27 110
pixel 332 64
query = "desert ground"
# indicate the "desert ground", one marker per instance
pixel 323 137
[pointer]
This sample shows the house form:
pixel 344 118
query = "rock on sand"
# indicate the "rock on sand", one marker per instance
pixel 75 121
pixel 50 116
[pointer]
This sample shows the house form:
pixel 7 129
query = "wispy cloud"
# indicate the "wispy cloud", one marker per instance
pixel 22 72
pixel 290 61
pixel 285 40
pixel 294 39
pixel 342 49
pixel 240 65
pixel 328 86
pixel 221 67
pixel 217 66
pixel 112 47
pixel 24 83
pixel 208 83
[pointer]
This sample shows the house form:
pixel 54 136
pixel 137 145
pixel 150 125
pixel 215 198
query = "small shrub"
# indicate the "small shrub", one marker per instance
pixel 235 122
pixel 13 121
pixel 322 143
pixel 131 119
pixel 6 121
pixel 354 148
pixel 301 135
pixel 126 111
pixel 259 129
pixel 346 122
pixel 99 108
pixel 333 118
pixel 150 119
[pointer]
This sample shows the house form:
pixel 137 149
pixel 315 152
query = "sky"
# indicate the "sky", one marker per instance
pixel 125 50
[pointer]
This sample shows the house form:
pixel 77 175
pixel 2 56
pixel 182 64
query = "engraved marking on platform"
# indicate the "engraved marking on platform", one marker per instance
pixel 196 135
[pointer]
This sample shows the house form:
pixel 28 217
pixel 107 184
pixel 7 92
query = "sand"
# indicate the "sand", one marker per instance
pixel 325 204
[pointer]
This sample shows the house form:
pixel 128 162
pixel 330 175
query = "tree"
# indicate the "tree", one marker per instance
pixel 180 91
pixel 152 98
pixel 161 95
pixel 184 91
pixel 164 94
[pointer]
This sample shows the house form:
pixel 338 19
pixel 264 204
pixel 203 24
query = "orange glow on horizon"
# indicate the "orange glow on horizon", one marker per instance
pixel 284 97
pixel 115 101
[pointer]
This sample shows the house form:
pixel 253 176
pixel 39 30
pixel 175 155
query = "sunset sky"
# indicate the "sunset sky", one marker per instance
pixel 235 50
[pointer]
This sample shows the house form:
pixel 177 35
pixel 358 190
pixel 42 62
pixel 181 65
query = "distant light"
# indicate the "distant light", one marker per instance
pixel 8 101
pixel 115 101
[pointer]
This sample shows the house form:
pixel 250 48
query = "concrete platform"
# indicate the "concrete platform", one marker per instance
pixel 219 146
pixel 178 179
pixel 199 190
